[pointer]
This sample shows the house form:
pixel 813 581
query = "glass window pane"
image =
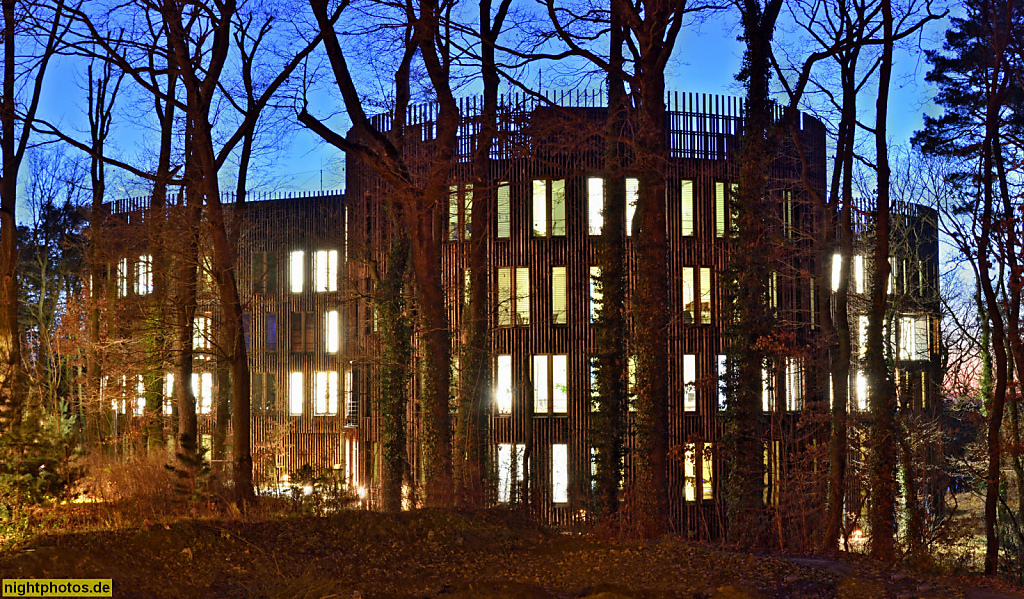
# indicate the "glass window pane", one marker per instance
pixel 560 473
pixel 522 296
pixel 504 296
pixel 558 295
pixel 595 205
pixel 559 384
pixel 540 384
pixel 504 211
pixel 503 385
pixel 540 208
pixel 558 207
pixel 295 394
pixel 632 195
pixel 295 271
pixel 690 382
pixel 686 191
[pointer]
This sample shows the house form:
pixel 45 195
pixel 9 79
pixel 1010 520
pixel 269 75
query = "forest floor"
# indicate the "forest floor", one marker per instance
pixel 491 555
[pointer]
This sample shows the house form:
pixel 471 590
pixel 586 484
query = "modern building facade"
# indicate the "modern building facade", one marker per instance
pixel 308 266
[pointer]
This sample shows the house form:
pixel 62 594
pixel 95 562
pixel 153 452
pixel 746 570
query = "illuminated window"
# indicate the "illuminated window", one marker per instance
pixel 144 275
pixel 787 213
pixel 704 307
pixel 913 343
pixel 690 472
pixel 202 388
pixel 201 333
pixel 264 272
pixel 460 211
pixel 689 382
pixel 332 332
pixel 503 384
pixel 550 384
pixel 632 195
pixel 122 278
pixel 837 270
pixel 559 295
pixel 773 290
pixel 686 193
pixel 560 473
pixel 296 271
pixel 325 270
pixel 862 391
pixel 794 384
pixel 814 303
pixel 513 296
pixel 596 295
pixel 722 381
pixel 720 207
pixel 631 389
pixel 858 273
pixel 325 398
pixel 510 470
pixel 707 467
pixel 504 211
pixel 295 392
pixel 767 390
pixel 689 295
pixel 548 207
pixel 140 399
pixel 595 205
pixel 351 399
pixel 168 393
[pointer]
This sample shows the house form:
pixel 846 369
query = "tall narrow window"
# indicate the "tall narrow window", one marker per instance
pixel 787 212
pixel 773 290
pixel 522 296
pixel 722 381
pixel 460 211
pixel 632 195
pixel 705 296
pixel 767 390
pixel 271 332
pixel 504 210
pixel 631 389
pixel 690 472
pixel 596 294
pixel 264 391
pixel 906 338
pixel 689 296
pixel 168 393
pixel 351 400
pixel 920 339
pixel 123 278
pixel 689 382
pixel 540 385
pixel 264 272
pixel 296 271
pixel 140 399
pixel 862 391
pixel 720 207
pixel 595 205
pixel 510 470
pixel 686 193
pixel 201 333
pixel 837 270
pixel 707 467
pixel 858 273
pixel 202 388
pixel 503 384
pixel 325 401
pixel 558 295
pixel 540 208
pixel 794 384
pixel 325 270
pixel 560 473
pixel 513 296
pixel 295 389
pixel 332 332
pixel 550 384
pixel 144 275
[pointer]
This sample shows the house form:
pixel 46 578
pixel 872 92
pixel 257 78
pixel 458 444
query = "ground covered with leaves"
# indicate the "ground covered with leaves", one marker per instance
pixel 423 554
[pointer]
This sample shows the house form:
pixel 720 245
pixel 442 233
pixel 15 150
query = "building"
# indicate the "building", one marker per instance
pixel 309 265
